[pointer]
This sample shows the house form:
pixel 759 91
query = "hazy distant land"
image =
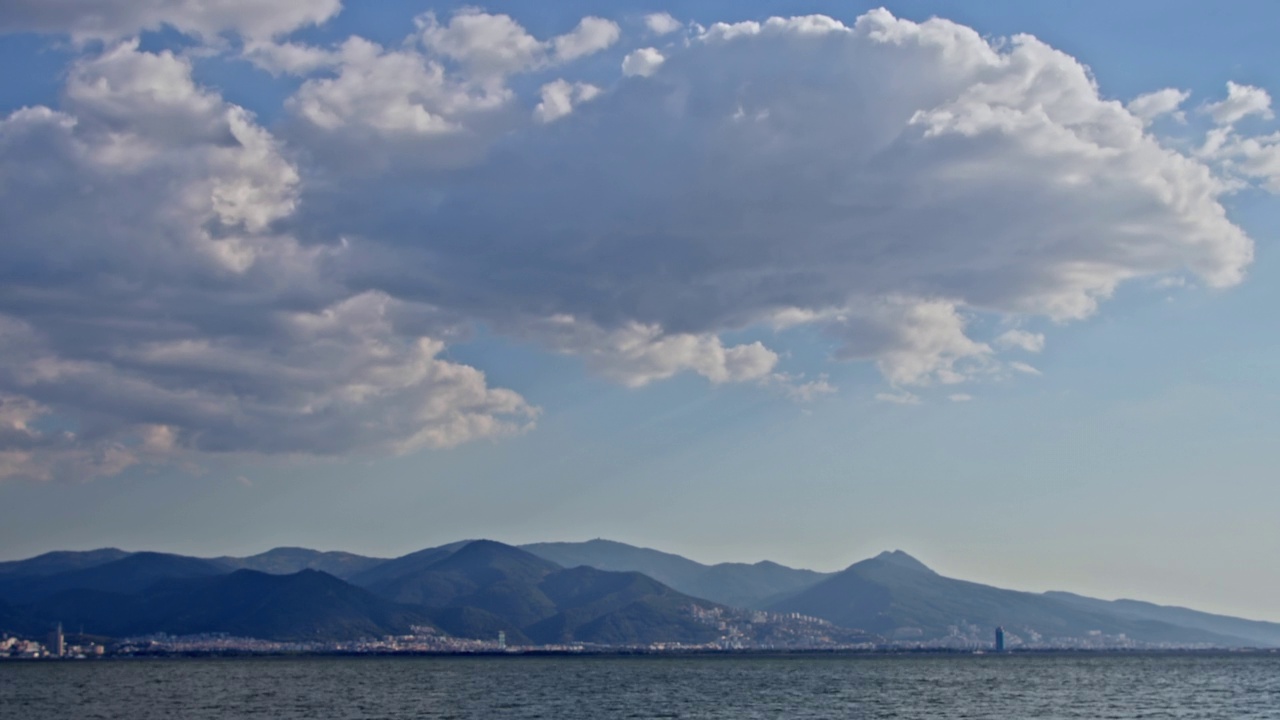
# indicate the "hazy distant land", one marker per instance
pixel 485 596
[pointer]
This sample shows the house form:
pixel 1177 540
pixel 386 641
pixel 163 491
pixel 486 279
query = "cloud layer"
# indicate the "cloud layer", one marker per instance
pixel 179 280
pixel 878 181
pixel 147 308
pixel 115 19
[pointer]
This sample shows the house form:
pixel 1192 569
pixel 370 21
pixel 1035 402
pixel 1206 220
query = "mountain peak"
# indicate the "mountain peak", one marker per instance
pixel 901 559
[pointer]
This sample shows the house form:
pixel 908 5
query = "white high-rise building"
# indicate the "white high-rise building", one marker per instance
pixel 57 645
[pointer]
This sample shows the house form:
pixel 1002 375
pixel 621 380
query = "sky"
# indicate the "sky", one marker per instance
pixel 992 283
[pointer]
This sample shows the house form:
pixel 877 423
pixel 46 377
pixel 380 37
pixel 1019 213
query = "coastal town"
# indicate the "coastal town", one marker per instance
pixel 741 631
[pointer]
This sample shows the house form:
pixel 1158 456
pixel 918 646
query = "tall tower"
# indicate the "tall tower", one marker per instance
pixel 999 639
pixel 57 643
pixel 502 640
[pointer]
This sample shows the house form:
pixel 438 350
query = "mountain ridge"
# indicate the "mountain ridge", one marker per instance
pixel 307 605
pixel 899 597
pixel 61 561
pixel 482 586
pixel 475 588
pixel 131 573
pixel 734 584
pixel 288 560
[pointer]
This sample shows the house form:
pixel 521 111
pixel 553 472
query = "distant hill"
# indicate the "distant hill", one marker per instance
pixel 468 589
pixel 1257 632
pixel 610 593
pixel 483 586
pixel 60 561
pixel 278 561
pixel 10 618
pixel 129 574
pixel 289 560
pixel 896 596
pixel 308 605
pixel 734 584
pixel 615 608
pixel 499 581
pixel 405 564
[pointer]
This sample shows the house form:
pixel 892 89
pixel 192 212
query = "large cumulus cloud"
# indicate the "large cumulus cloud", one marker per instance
pixel 177 279
pixel 881 181
pixel 148 308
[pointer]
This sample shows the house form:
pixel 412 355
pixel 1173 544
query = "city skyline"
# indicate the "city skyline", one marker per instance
pixel 990 284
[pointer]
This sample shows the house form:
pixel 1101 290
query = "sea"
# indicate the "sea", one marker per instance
pixel 1049 687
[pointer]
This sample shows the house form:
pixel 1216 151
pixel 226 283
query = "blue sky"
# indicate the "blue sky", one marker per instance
pixel 385 276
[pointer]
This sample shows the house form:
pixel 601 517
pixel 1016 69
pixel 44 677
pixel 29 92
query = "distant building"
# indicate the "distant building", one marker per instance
pixel 999 639
pixel 502 640
pixel 57 643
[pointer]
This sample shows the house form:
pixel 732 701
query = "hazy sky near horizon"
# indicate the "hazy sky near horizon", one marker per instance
pixel 993 283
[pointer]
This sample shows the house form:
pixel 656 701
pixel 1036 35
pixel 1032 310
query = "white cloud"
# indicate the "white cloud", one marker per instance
pixel 1241 102
pixel 115 19
pixel 340 379
pixel 1245 158
pixel 151 307
pixel 387 91
pixel 591 35
pixel 136 112
pixel 289 58
pixel 806 25
pixel 643 62
pixel 801 390
pixel 898 398
pixel 662 23
pixel 960 397
pixel 1152 105
pixel 1257 157
pixel 1024 368
pixel 180 280
pixel 485 44
pixel 495 45
pixel 447 83
pixel 894 180
pixel 1022 340
pixel 559 98
pixel 913 341
pixel 637 354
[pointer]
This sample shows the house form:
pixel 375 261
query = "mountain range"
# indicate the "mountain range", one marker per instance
pixel 471 589
pixel 736 584
pixel 599 591
pixel 895 595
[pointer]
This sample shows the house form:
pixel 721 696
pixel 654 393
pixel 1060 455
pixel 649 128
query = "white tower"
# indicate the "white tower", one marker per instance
pixel 57 643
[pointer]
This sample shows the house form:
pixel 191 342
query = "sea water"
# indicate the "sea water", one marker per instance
pixel 1234 686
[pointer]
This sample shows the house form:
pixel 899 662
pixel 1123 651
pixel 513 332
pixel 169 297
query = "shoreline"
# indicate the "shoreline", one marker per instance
pixel 672 654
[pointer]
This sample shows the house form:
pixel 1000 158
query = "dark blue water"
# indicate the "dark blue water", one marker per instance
pixel 1019 686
